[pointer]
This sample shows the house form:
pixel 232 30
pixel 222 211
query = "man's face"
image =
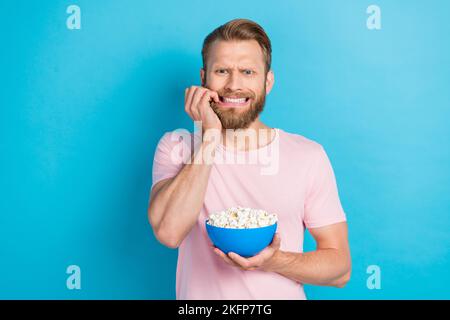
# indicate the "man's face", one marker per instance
pixel 235 70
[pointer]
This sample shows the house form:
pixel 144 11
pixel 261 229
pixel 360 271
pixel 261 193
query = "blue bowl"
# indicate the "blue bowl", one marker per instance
pixel 244 242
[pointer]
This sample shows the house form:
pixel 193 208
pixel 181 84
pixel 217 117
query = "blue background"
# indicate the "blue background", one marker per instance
pixel 81 112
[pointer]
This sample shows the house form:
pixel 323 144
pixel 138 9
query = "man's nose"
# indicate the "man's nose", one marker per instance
pixel 234 82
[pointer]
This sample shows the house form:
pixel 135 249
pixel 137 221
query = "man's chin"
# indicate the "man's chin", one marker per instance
pixel 236 123
pixel 238 117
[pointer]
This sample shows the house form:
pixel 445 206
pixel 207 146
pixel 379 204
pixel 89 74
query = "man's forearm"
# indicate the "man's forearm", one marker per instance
pixel 326 267
pixel 182 199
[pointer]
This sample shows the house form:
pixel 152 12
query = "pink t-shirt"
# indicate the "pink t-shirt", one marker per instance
pixel 291 176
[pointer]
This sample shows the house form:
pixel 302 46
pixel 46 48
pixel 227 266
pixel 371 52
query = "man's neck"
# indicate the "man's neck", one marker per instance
pixel 256 136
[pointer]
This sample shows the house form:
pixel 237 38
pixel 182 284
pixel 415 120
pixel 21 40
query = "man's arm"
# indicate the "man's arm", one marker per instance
pixel 175 203
pixel 328 265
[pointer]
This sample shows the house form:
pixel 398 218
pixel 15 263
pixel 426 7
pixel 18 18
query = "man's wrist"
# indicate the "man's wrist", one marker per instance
pixel 212 136
pixel 279 261
pixel 204 152
pixel 272 264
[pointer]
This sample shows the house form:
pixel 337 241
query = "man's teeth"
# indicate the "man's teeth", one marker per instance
pixel 231 100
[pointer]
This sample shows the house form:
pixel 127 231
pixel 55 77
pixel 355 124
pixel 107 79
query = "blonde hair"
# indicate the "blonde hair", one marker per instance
pixel 240 29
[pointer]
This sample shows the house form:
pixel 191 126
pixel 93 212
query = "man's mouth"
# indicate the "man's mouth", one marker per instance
pixel 233 102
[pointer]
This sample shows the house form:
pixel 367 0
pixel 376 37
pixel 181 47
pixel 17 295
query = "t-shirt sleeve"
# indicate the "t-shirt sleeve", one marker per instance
pixel 322 204
pixel 169 156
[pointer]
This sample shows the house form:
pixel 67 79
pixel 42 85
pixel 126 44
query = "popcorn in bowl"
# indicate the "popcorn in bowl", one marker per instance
pixel 242 218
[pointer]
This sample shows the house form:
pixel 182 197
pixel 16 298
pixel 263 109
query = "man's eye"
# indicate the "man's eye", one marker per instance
pixel 221 70
pixel 248 72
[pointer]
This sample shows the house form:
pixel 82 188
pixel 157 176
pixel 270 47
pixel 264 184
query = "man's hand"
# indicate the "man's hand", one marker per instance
pixel 261 261
pixel 197 105
pixel 328 265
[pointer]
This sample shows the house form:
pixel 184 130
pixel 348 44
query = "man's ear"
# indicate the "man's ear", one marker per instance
pixel 270 80
pixel 203 77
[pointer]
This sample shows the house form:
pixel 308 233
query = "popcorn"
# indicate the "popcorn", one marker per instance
pixel 242 218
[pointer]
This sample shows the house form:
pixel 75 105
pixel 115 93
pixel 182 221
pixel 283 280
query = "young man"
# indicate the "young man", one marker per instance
pixel 299 186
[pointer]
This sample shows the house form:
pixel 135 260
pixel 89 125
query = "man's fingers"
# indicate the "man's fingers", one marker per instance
pixel 190 92
pixel 236 260
pixel 204 102
pixel 195 95
pixel 241 261
pixel 256 260
pixel 225 257
pixel 196 99
pixel 198 94
pixel 214 95
pixel 187 106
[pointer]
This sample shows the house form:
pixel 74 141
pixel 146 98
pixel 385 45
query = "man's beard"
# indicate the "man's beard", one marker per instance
pixel 234 118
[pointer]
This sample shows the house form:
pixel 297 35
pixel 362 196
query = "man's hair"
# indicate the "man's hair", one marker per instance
pixel 239 29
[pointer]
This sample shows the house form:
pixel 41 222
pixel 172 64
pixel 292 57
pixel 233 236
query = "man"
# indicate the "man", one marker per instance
pixel 300 188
